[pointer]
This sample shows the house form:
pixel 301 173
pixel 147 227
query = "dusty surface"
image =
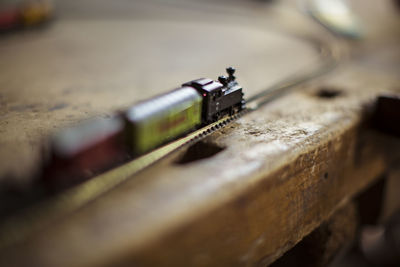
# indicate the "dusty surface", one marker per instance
pixel 94 62
pixel 294 172
pixel 278 174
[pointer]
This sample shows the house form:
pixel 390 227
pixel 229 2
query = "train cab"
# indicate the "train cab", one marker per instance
pixel 210 90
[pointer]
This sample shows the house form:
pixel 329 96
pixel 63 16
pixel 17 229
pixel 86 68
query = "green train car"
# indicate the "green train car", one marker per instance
pixel 161 119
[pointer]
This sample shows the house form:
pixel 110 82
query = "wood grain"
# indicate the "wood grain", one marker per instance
pixel 86 66
pixel 280 171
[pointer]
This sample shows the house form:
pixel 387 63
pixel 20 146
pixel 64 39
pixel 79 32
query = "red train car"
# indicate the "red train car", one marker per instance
pixel 82 151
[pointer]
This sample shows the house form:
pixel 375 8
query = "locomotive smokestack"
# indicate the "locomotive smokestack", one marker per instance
pixel 231 71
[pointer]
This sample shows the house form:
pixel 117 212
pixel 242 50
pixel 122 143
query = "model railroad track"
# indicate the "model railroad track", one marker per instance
pixel 18 227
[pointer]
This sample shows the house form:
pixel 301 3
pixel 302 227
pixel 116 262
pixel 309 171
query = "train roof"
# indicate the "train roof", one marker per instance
pixel 162 103
pixel 204 84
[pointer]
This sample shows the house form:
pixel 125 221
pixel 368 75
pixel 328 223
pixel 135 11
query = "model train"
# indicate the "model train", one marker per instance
pixel 80 152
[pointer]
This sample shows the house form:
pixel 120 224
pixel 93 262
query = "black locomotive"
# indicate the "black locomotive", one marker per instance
pixel 221 98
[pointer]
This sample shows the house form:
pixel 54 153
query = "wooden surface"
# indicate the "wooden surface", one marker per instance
pixel 283 169
pixel 84 66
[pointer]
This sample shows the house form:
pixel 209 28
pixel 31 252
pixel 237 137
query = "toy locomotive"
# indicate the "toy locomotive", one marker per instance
pixel 80 152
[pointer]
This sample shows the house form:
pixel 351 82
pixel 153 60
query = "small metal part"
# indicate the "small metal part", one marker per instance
pixel 223 79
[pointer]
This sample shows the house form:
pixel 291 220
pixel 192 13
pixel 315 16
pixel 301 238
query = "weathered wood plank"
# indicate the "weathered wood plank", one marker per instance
pixel 282 171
